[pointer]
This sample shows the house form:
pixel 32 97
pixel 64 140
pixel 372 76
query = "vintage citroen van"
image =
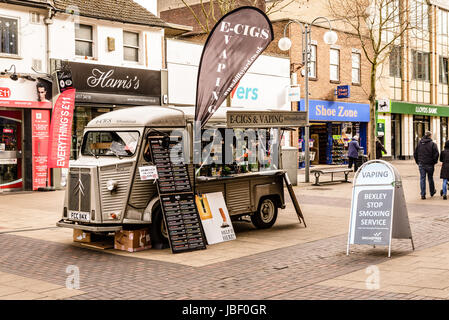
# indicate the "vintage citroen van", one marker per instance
pixel 104 190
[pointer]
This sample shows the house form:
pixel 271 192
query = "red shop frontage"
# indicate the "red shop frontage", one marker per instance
pixel 25 107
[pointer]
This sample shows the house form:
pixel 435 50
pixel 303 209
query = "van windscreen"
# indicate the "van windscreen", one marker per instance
pixel 110 143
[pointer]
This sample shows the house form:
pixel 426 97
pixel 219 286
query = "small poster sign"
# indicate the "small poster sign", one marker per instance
pixel 148 173
pixel 215 218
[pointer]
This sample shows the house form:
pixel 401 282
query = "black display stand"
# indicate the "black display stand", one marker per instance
pixel 177 198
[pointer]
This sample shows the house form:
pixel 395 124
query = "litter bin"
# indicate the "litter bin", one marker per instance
pixel 290 163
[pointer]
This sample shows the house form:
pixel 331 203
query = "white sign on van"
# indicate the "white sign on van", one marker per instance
pixel 148 173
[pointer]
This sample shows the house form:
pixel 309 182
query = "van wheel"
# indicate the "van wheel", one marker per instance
pixel 266 214
pixel 159 234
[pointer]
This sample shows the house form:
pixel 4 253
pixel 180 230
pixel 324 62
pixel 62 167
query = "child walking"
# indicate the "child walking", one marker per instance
pixel 444 158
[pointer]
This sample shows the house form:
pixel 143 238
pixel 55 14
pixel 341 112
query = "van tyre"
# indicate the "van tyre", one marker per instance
pixel 159 235
pixel 266 214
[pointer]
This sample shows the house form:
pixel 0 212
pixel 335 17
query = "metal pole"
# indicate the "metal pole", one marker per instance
pixel 307 156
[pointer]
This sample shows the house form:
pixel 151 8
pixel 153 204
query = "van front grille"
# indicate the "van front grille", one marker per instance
pixel 79 191
pixel 74 200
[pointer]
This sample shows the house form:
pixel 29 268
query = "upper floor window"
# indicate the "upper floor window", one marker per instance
pixel 9 35
pixel 419 14
pixel 312 61
pixel 334 64
pixel 395 62
pixel 444 22
pixel 421 65
pixel 84 40
pixel 356 68
pixel 443 70
pixel 130 46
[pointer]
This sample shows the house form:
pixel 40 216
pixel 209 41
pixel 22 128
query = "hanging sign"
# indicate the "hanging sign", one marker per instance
pixel 233 45
pixel 215 217
pixel 61 130
pixel 377 196
pixel 294 93
pixel 265 119
pixel 343 92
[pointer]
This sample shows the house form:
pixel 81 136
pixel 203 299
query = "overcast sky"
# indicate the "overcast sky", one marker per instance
pixel 150 5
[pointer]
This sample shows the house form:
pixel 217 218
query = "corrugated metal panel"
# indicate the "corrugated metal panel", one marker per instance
pixel 238 196
pixel 142 191
pixel 112 202
pixel 207 187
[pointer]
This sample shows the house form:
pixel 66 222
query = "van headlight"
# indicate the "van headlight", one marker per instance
pixel 111 185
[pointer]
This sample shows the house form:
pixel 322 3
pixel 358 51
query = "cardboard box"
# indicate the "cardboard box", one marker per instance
pixel 132 240
pixel 82 236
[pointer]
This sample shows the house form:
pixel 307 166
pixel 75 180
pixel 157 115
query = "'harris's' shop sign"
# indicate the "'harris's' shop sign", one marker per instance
pixel 337 111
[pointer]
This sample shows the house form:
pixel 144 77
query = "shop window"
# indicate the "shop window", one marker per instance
pixel 421 65
pixel 312 62
pixel 443 70
pixel 334 64
pixel 9 35
pixel 395 62
pixel 130 46
pixel 83 40
pixel 81 118
pixel 356 68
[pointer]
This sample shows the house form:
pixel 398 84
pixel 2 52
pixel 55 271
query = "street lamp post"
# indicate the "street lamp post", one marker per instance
pixel 330 37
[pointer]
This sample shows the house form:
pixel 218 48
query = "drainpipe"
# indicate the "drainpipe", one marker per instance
pixel 48 21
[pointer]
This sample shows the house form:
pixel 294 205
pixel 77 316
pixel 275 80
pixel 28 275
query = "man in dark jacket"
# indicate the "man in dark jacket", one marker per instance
pixel 379 148
pixel 426 156
pixel 353 152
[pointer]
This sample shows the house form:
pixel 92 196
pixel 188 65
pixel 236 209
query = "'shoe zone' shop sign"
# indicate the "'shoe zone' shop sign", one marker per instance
pixel 377 194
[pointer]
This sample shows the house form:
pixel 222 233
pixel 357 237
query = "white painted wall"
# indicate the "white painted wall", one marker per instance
pixel 31 40
pixel 63 42
pixel 264 85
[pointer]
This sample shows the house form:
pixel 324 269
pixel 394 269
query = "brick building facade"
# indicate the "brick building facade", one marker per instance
pixel 330 125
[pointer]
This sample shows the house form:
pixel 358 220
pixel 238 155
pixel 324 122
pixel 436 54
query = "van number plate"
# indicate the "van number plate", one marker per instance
pixel 81 216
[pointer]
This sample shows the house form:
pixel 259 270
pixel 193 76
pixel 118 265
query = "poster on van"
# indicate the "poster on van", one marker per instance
pixel 215 217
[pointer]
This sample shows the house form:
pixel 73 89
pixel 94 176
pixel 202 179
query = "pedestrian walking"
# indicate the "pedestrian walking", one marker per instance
pixel 353 152
pixel 444 158
pixel 426 156
pixel 379 148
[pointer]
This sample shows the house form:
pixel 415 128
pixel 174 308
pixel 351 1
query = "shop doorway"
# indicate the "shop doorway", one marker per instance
pixel 319 135
pixel 10 150
pixel 396 137
pixel 421 124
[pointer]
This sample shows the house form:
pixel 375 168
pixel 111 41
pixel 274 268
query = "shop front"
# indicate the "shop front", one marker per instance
pixel 22 101
pixel 332 126
pixel 103 88
pixel 406 123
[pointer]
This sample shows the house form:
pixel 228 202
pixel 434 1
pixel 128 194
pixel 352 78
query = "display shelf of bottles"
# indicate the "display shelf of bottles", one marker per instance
pixel 338 152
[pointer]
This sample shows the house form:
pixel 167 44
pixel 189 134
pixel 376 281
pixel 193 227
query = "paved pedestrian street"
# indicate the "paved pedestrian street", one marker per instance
pixel 287 261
